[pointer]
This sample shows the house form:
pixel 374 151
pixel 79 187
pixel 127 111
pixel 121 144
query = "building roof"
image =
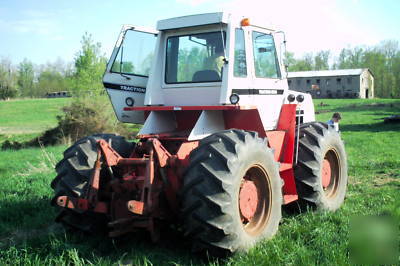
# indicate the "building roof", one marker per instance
pixel 327 73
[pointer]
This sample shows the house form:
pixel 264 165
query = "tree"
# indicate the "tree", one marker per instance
pixel 304 64
pixel 8 80
pixel 321 60
pixel 25 78
pixel 289 59
pixel 89 66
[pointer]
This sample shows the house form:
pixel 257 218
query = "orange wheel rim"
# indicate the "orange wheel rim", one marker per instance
pixel 255 200
pixel 330 173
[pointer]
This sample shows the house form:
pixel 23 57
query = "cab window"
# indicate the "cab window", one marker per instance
pixel 240 66
pixel 135 54
pixel 265 59
pixel 195 58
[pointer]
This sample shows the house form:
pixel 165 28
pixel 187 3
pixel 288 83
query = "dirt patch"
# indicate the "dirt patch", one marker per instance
pixel 354 181
pixel 385 179
pixel 322 111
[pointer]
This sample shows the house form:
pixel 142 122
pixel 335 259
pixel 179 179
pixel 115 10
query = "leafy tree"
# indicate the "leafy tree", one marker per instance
pixel 89 66
pixel 289 59
pixel 304 64
pixel 321 60
pixel 25 78
pixel 8 80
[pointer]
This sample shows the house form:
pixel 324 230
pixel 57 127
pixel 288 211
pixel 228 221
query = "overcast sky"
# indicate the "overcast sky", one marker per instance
pixel 43 30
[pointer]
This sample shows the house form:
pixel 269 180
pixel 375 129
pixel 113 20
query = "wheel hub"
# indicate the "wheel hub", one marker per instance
pixel 326 173
pixel 248 200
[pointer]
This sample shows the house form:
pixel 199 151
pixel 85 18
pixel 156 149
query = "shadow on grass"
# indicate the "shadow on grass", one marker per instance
pixel 131 249
pixel 384 108
pixel 29 226
pixel 375 127
pixel 25 214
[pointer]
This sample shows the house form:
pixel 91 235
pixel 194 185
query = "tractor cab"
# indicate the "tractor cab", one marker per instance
pixel 214 59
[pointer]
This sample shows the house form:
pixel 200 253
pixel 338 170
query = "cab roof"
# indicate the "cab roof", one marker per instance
pixel 209 19
pixel 192 21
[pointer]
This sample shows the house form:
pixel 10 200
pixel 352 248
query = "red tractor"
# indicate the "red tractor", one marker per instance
pixel 224 142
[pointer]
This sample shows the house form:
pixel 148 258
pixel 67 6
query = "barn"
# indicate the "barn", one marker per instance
pixel 341 83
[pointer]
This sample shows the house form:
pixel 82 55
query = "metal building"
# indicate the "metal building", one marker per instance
pixel 343 83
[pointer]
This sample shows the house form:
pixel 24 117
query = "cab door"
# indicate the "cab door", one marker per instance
pixel 269 85
pixel 128 69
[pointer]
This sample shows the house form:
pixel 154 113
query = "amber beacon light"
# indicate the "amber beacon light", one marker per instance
pixel 245 22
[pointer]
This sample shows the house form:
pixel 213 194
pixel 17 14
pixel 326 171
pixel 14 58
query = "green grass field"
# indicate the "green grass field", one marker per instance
pixel 22 120
pixel 29 236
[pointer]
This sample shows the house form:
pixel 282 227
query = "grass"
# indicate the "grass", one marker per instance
pixel 28 234
pixel 22 120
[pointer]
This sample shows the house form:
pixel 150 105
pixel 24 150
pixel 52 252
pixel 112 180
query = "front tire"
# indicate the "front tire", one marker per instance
pixel 321 171
pixel 232 192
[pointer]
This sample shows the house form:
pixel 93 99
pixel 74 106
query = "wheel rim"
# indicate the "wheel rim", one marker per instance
pixel 255 200
pixel 330 173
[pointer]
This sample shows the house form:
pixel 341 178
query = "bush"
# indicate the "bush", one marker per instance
pixel 86 116
pixel 7 92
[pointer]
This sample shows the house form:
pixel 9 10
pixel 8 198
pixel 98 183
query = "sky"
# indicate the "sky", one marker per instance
pixel 46 30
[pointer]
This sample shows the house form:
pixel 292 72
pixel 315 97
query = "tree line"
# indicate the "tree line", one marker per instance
pixel 85 72
pixel 29 80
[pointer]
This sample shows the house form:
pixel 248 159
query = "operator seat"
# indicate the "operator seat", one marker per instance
pixel 206 75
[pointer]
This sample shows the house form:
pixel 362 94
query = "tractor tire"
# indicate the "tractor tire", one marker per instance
pixel 321 170
pixel 232 192
pixel 74 173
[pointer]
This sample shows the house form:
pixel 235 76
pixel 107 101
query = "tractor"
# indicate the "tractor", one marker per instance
pixel 223 146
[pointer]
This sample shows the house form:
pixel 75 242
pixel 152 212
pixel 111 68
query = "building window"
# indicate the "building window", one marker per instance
pixel 318 81
pixel 308 81
pixel 338 80
pixel 348 80
pixel 289 82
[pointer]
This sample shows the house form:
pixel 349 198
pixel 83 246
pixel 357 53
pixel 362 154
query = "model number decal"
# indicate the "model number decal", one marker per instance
pixel 258 91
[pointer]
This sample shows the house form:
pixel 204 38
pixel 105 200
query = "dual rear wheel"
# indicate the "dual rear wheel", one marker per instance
pixel 321 171
pixel 232 193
